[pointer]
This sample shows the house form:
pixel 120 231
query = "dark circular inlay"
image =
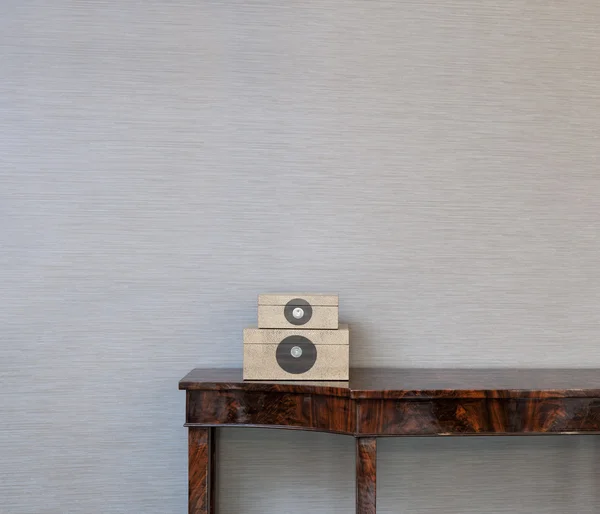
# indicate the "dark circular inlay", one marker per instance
pixel 296 365
pixel 296 303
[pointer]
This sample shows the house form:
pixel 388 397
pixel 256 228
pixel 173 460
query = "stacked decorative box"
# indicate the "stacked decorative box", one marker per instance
pixel 298 338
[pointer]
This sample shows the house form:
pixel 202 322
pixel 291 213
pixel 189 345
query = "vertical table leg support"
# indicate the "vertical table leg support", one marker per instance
pixel 202 470
pixel 366 475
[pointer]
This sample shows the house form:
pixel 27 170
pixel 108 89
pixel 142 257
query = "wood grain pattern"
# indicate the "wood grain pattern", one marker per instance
pixel 420 383
pixel 366 475
pixel 473 383
pixel 230 379
pixel 201 471
pixel 414 417
pixel 294 411
pixel 400 412
pixel 409 406
pixel 214 486
pixel 477 416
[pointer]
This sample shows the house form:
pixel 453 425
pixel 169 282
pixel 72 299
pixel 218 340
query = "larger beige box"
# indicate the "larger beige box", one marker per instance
pixel 299 310
pixel 296 354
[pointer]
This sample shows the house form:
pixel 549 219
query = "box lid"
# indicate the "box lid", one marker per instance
pixel 311 298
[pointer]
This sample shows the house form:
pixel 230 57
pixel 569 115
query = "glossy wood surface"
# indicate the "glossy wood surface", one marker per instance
pixel 201 471
pixel 411 402
pixel 467 416
pixel 385 402
pixel 226 379
pixel 366 475
pixel 271 410
pixel 420 383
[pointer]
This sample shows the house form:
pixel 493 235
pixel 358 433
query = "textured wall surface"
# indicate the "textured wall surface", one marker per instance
pixel 161 163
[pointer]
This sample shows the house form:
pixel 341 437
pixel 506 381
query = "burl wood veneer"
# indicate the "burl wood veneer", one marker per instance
pixel 384 402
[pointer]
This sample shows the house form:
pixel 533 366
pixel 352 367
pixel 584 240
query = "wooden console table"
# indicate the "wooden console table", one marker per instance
pixel 384 402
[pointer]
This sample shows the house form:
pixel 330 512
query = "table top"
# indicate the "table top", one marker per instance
pixel 418 383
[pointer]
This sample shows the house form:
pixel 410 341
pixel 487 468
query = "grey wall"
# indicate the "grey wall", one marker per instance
pixel 161 163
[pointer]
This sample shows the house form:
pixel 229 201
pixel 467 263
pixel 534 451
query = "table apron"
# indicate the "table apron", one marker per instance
pixel 393 416
pixel 477 416
pixel 271 409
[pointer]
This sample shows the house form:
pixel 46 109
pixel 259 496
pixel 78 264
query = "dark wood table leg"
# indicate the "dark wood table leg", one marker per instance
pixel 202 470
pixel 366 474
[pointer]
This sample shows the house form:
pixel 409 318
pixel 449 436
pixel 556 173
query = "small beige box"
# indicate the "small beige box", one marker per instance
pixel 305 311
pixel 296 354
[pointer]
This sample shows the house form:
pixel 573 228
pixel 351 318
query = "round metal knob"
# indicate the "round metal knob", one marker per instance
pixel 296 352
pixel 298 312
